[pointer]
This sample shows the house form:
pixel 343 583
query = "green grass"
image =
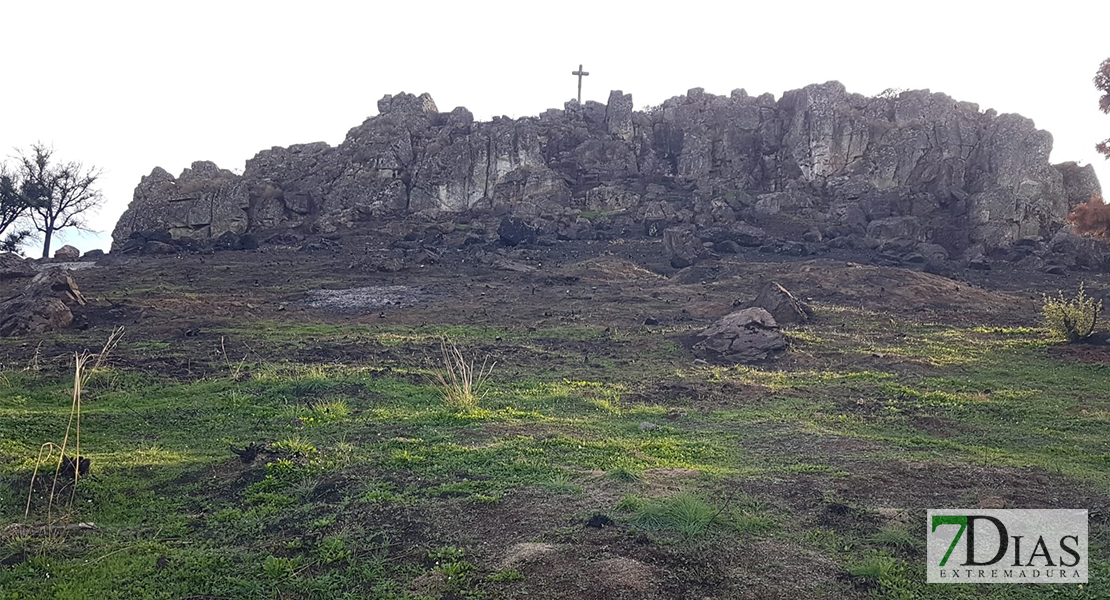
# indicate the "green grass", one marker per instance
pixel 353 450
pixel 691 514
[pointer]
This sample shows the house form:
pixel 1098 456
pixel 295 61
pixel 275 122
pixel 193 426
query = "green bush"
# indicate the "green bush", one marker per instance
pixel 1072 319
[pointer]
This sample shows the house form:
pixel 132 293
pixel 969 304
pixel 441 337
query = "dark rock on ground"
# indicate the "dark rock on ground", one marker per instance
pixel 514 231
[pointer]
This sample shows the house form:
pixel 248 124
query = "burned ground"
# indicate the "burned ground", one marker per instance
pixel 907 391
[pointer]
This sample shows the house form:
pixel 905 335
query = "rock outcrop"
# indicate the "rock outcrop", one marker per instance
pixel 918 167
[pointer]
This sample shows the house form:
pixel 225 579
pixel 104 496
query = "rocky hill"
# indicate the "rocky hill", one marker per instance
pixel 820 162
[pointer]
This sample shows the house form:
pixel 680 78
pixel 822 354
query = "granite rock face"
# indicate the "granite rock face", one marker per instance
pixel 916 164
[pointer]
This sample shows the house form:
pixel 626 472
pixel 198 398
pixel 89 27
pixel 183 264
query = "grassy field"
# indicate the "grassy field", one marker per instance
pixel 805 479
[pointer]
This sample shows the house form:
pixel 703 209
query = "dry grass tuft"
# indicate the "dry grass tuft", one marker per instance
pixel 82 370
pixel 461 382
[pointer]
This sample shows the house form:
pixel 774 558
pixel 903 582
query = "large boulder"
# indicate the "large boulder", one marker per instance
pixel 745 336
pixel 67 252
pixel 44 305
pixel 683 245
pixel 13 266
pixel 56 283
pixel 782 305
pixel 31 315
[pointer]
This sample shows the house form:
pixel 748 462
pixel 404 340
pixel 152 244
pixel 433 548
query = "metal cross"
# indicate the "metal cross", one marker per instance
pixel 580 73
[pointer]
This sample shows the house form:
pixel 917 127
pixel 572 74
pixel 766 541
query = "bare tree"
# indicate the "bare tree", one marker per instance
pixel 1102 82
pixel 58 194
pixel 12 205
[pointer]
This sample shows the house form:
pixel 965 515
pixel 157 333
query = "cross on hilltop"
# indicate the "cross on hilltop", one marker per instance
pixel 580 73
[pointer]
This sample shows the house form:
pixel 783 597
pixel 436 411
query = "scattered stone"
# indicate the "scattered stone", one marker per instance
pixel 1056 270
pixel 648 426
pixel 745 336
pixel 94 253
pixel 782 305
pixel 67 252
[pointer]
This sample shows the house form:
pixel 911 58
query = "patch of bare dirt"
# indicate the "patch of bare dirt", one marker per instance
pixel 1095 352
pixel 366 299
pixel 610 268
pixel 891 288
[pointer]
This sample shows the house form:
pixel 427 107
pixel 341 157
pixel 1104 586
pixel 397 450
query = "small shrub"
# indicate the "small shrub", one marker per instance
pixel 1072 319
pixel 460 381
pixel 279 568
pixel 506 576
pixel 332 550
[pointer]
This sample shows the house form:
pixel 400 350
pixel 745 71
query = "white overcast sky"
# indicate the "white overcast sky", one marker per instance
pixel 130 86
